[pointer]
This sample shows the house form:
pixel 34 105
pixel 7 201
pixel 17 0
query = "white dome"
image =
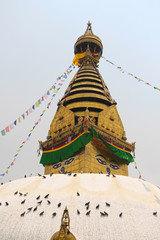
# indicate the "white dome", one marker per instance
pixel 136 199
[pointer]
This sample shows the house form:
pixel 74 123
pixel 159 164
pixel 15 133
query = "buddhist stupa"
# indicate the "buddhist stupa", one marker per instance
pixel 85 192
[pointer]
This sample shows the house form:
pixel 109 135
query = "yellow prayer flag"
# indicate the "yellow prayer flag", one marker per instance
pixel 18 150
pixel 55 91
pixel 43 111
pixel 7 171
pixel 51 89
pixel 19 119
pixel 37 104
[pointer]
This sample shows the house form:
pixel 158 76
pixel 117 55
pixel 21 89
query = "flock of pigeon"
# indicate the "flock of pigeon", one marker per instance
pixel 41 199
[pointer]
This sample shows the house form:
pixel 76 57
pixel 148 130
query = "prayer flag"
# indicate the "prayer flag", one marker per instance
pixel 42 99
pixel 33 107
pixel 12 163
pixel 45 95
pixel 7 172
pixel 11 126
pixel 15 122
pixel 3 132
pixel 30 110
pixel 37 104
pixel 27 112
pixel 23 116
pixel 48 93
pixel 55 91
pixel 53 87
pixel 7 129
pixel 39 101
pixel 19 119
pixel 60 84
pixel 2 174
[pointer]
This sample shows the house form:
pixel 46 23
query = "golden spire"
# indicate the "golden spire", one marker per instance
pixel 64 232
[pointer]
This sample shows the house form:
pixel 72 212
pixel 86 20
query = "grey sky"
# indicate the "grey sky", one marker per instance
pixel 36 46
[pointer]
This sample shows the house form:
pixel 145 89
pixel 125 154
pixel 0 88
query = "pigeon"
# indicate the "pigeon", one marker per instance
pixel 54 214
pixel 87 207
pixel 108 175
pixel 113 175
pixel 78 194
pixel 23 201
pixel 38 197
pixel 25 194
pixel 0 203
pixel 48 202
pixel 6 203
pixel 25 176
pixel 75 175
pixel 1 183
pixel 97 207
pixel 88 213
pixel 39 202
pixel 69 174
pixel 41 213
pixel 51 174
pixel 107 204
pixel 39 175
pixel 78 212
pixel 46 196
pixel 22 214
pixel 20 193
pixel 29 209
pixel 35 209
pixel 105 213
pixel 59 204
pixel 44 176
pixel 87 203
pixel 102 214
pixel 120 215
pixel 16 193
pixel 154 213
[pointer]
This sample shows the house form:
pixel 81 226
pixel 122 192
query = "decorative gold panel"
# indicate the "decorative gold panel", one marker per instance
pixel 63 121
pixel 110 121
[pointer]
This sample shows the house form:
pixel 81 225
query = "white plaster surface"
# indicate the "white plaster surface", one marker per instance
pixel 135 198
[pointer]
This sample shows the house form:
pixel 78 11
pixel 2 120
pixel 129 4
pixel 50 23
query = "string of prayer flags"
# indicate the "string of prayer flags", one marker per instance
pixel 29 135
pixel 59 80
pixel 140 176
pixel 130 74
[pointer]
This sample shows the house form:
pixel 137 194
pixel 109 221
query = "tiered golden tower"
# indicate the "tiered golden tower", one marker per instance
pixel 87 134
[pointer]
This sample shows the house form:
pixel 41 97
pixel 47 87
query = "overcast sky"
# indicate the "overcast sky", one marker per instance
pixel 36 46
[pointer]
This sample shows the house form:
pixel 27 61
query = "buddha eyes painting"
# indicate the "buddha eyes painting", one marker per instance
pixel 111 164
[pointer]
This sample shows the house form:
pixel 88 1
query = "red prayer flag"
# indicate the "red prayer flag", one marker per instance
pixel 7 129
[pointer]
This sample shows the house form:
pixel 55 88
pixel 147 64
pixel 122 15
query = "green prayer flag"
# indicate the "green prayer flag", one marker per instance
pixel 23 116
pixel 3 132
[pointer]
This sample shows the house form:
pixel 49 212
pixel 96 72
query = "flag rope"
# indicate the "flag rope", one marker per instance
pixel 130 74
pixel 58 83
pixel 30 133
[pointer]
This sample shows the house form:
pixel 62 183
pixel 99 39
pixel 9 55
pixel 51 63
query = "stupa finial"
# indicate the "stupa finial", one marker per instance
pixel 89 28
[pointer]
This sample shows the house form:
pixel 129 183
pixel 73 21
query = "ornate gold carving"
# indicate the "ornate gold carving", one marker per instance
pixel 64 232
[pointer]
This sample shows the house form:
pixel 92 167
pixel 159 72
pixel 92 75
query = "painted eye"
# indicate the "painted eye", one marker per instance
pixel 115 167
pixel 57 165
pixel 69 161
pixel 101 161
